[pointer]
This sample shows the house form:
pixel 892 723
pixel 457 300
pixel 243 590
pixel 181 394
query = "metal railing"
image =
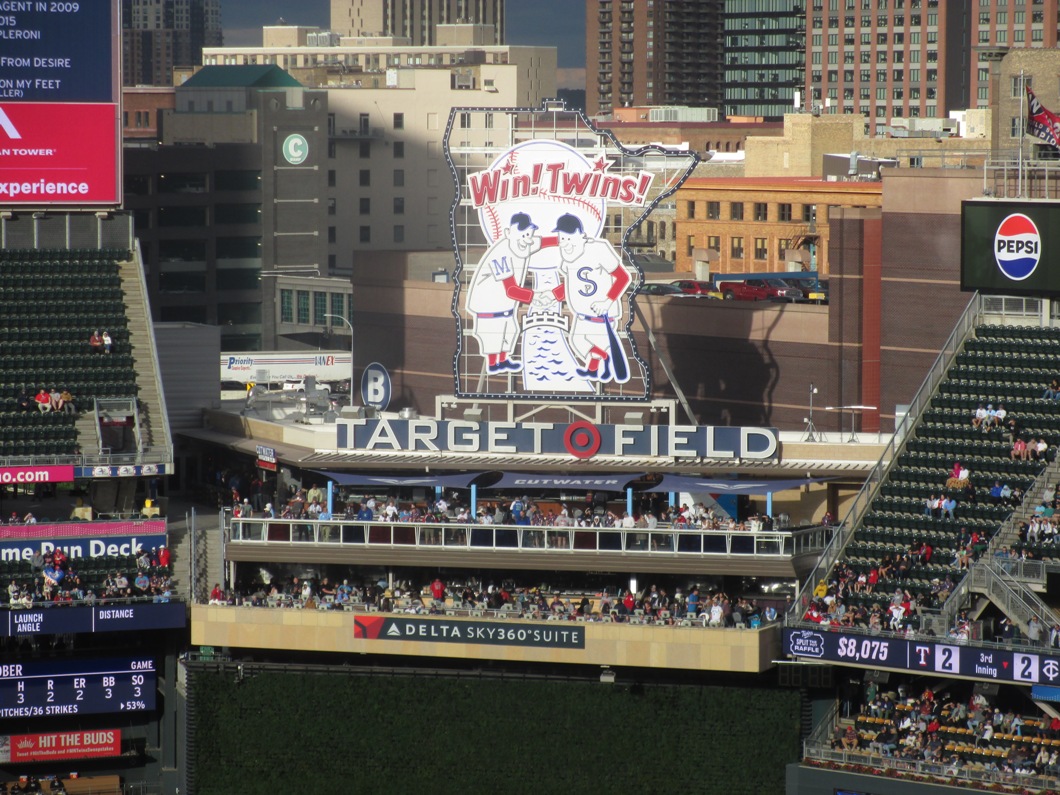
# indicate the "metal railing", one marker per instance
pixel 671 542
pixel 1016 600
pixel 942 770
pixel 967 322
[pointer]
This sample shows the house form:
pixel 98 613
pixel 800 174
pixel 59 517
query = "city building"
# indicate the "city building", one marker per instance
pixel 765 56
pixel 921 58
pixel 161 35
pixel 230 194
pixel 653 53
pixel 416 21
pixel 389 187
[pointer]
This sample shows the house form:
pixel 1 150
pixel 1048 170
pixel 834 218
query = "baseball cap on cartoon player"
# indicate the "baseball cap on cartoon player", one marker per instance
pixel 522 220
pixel 569 224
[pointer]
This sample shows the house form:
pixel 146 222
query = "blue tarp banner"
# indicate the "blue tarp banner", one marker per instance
pixel 722 486
pixel 364 479
pixel 534 480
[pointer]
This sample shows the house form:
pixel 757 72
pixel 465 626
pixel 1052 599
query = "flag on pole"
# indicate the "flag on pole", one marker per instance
pixel 1042 123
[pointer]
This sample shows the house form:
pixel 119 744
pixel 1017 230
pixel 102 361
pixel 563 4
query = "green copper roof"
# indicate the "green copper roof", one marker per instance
pixel 249 76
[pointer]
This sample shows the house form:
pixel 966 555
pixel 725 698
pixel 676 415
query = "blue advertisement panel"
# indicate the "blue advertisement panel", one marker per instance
pixel 926 657
pixel 63 620
pixel 55 51
pixel 32 689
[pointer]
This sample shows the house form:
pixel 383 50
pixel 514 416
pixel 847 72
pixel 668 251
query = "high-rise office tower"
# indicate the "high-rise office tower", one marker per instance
pixel 893 58
pixel 416 20
pixel 765 56
pixel 159 35
pixel 653 52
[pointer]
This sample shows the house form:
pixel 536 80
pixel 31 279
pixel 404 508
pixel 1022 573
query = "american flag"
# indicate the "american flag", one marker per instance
pixel 1041 122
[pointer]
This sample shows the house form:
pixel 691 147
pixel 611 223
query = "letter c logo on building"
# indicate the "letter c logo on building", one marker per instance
pixel 295 149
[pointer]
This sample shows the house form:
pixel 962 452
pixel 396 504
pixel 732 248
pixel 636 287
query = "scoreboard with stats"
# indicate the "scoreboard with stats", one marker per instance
pixel 34 689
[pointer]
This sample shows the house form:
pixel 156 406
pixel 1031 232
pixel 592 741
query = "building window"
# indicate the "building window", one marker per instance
pixel 399 150
pixel 761 211
pixel 761 248
pixel 365 205
pixel 287 306
pixel 303 307
pixel 364 177
pixel 736 250
pixel 691 244
pixel 713 211
pixel 399 177
pixel 365 149
pixel 784 212
pixel 366 234
pixel 489 116
pixel 399 121
pixel 1017 85
pixel 331 178
pixel 320 309
pixel 809 213
pixel 331 150
pixel 714 243
pixel 331 206
pixel 331 234
pixel 736 211
pixel 1016 127
pixel 465 120
pixel 337 300
pixel 691 209
pixel 399 205
pixel 399 233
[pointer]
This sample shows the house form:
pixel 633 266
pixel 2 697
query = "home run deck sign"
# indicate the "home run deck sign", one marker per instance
pixel 544 290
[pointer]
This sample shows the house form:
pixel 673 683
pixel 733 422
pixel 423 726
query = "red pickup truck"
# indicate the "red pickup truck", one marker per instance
pixel 758 290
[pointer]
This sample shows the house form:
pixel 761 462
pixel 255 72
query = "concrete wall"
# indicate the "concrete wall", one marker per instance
pixel 686 648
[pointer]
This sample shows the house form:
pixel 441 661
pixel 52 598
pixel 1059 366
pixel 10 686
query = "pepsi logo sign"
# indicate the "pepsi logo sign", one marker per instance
pixel 1017 247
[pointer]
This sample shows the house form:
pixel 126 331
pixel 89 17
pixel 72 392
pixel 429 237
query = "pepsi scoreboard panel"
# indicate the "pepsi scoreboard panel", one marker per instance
pixel 34 689
pixel 1010 247
pixel 993 664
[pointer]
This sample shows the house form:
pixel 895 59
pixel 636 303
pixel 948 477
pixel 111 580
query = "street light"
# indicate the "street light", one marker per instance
pixel 348 323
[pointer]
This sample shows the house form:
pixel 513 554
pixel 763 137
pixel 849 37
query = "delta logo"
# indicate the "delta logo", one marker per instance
pixel 1017 247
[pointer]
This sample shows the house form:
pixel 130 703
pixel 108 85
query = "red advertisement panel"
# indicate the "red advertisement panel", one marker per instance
pixel 58 154
pixel 61 745
pixel 41 474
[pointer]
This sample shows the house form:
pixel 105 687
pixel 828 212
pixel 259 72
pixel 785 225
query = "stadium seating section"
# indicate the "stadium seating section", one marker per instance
pixel 1001 364
pixel 81 290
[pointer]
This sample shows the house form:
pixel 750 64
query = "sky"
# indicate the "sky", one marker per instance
pixel 560 23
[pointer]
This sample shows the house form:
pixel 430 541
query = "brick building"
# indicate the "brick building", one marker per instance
pixel 750 225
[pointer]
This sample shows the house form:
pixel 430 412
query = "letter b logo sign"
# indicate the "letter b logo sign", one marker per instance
pixel 375 387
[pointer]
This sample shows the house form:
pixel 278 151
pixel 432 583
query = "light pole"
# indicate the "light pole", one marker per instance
pixel 348 323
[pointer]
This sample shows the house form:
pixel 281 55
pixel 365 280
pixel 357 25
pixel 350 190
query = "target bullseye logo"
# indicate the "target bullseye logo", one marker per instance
pixel 1017 247
pixel 582 439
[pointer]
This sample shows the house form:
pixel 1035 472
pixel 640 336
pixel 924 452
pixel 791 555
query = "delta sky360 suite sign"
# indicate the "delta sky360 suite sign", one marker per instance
pixel 543 299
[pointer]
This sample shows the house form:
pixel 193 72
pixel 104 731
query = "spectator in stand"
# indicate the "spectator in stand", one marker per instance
pixel 108 343
pixel 999 416
pixel 44 401
pixel 1052 392
pixel 979 417
pixel 96 342
pixel 217 596
pixel 1019 451
pixel 66 402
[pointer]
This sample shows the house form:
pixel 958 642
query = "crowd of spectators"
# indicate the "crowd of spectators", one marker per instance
pixel 959 730
pixel 57 579
pixel 311 505
pixel 45 402
pixel 651 605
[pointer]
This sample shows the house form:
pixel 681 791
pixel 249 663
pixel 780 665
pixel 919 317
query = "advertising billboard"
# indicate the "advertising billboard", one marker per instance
pixel 544 280
pixel 56 746
pixel 1010 247
pixel 60 103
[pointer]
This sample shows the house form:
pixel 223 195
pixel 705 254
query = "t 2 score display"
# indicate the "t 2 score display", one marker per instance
pixel 76 687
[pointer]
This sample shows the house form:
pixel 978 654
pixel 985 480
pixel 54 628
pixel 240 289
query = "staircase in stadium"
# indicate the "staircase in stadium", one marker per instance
pixel 981 363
